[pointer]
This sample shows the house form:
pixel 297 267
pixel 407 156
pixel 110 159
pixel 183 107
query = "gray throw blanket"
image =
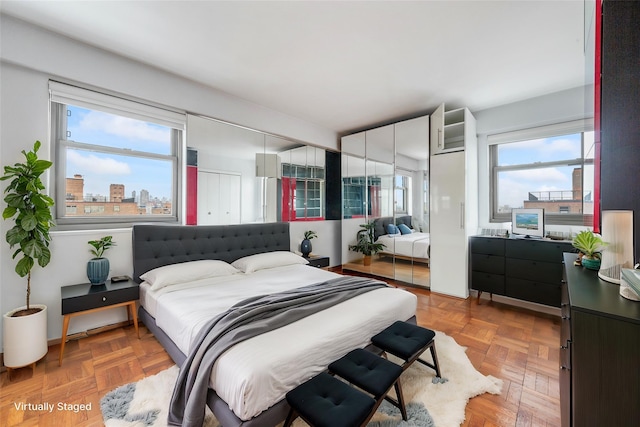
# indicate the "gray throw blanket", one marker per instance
pixel 244 320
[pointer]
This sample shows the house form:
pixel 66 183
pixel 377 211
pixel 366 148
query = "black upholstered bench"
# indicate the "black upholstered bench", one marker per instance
pixel 408 341
pixel 373 374
pixel 325 401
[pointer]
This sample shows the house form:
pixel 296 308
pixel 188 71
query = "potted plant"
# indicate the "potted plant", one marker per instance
pixel 98 266
pixel 365 242
pixel 25 328
pixel 590 246
pixel 305 245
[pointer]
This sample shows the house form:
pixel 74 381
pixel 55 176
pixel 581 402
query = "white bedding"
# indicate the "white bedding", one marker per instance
pixel 257 373
pixel 415 245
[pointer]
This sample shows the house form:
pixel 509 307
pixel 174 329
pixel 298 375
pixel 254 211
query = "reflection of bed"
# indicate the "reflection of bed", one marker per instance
pixel 414 246
pixel 248 381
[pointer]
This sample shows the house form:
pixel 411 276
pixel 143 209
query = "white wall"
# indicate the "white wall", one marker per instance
pixel 30 56
pixel 557 107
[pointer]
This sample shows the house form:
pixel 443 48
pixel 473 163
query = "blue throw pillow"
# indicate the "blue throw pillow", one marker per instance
pixel 404 229
pixel 392 229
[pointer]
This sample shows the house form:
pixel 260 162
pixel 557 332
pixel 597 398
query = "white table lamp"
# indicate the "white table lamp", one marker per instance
pixel 617 231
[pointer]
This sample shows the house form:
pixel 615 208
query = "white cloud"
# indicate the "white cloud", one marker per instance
pixel 534 176
pixel 80 163
pixel 123 127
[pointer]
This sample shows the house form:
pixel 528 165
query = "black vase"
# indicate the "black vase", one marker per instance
pixel 305 248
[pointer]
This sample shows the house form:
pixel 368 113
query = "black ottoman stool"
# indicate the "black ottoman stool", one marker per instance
pixel 325 401
pixel 408 342
pixel 372 374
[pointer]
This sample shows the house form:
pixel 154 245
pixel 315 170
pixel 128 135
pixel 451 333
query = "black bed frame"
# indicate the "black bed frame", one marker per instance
pixel 158 245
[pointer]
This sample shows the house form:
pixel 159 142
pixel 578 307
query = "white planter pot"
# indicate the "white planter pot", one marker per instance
pixel 25 337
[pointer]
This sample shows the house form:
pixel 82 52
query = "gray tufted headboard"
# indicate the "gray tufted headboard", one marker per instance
pixel 158 245
pixel 380 224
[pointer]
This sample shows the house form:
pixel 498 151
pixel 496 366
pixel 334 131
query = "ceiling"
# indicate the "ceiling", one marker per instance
pixel 343 65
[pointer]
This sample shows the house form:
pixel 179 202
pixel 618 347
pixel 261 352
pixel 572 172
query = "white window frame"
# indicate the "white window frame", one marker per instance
pixel 404 189
pixel 559 129
pixel 62 94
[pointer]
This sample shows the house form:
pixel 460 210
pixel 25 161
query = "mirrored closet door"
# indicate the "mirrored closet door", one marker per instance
pixel 246 176
pixel 385 201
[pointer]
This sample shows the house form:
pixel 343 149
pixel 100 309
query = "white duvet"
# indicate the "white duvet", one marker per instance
pixel 415 245
pixel 255 374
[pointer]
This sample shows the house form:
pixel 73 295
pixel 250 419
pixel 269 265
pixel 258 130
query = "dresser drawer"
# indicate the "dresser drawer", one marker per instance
pixel 541 250
pixel 99 297
pixel 487 263
pixel 487 282
pixel 534 270
pixel 534 291
pixel 487 245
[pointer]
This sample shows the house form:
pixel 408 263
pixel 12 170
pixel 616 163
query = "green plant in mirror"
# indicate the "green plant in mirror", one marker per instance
pixel 365 241
pixel 30 209
pixel 100 246
pixel 589 244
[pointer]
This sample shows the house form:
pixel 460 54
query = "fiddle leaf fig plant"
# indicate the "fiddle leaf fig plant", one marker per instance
pixel 30 209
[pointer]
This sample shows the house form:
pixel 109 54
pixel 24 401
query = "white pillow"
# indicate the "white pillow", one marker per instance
pixel 186 272
pixel 252 263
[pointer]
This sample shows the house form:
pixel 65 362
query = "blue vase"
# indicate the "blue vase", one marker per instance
pixel 305 248
pixel 98 270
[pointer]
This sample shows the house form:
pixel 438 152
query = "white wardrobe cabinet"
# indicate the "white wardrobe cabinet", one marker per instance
pixel 454 203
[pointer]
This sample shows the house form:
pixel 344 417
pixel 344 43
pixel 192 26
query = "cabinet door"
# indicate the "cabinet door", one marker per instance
pixel 448 236
pixel 218 198
pixel 437 130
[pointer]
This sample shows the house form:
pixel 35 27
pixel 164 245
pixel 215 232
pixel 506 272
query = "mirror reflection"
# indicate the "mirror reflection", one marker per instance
pixel 385 201
pixel 411 201
pixel 247 176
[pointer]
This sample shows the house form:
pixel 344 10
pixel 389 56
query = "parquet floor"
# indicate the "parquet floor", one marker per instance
pixel 518 346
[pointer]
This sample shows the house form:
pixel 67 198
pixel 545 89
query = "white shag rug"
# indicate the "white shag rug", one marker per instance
pixel 429 402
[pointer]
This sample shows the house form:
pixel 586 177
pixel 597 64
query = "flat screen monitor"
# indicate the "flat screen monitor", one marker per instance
pixel 527 222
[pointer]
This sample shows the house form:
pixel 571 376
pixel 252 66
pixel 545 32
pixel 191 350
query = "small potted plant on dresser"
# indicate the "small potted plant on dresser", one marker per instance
pixel 366 244
pixel 305 245
pixel 98 266
pixel 590 246
pixel 25 328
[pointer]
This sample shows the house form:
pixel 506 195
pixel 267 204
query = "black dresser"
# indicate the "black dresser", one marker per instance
pixel 599 352
pixel 526 269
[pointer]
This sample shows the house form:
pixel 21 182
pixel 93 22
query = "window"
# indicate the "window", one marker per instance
pixel 304 190
pixel 549 167
pixel 402 190
pixel 117 161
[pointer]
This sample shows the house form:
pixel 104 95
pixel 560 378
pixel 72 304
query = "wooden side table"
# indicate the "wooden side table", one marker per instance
pixel 87 298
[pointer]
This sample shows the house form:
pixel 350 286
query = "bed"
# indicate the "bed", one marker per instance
pixel 414 246
pixel 248 381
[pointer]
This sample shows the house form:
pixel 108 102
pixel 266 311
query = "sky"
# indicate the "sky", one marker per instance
pixel 515 186
pixel 99 170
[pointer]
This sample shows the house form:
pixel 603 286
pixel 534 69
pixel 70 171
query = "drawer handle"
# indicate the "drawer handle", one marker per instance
pixel 564 368
pixel 565 317
pixel 104 298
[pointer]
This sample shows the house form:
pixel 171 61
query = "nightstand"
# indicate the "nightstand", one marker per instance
pixel 87 298
pixel 318 261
